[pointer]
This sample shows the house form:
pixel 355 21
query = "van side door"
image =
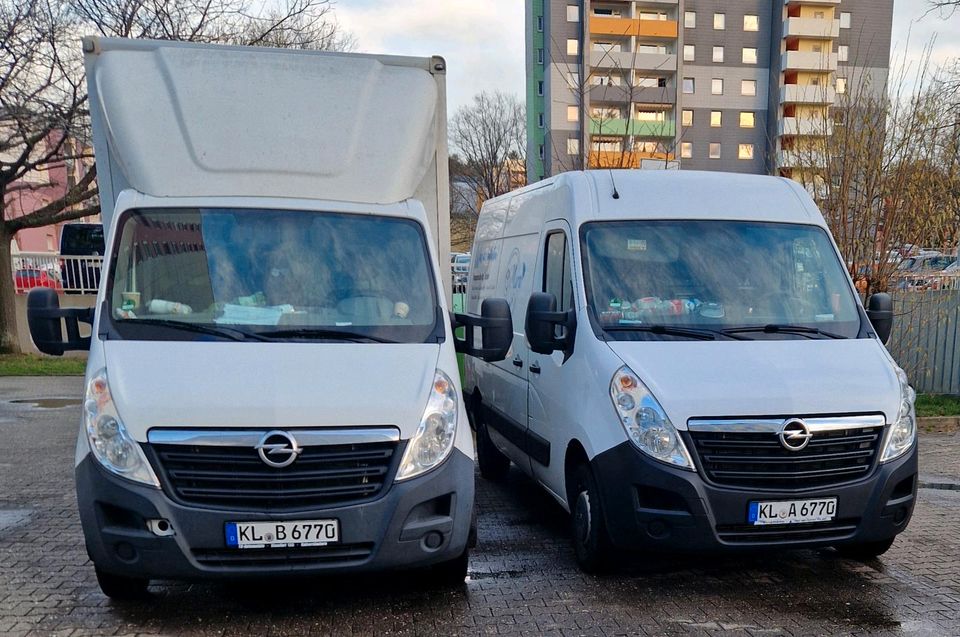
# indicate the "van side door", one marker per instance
pixel 552 388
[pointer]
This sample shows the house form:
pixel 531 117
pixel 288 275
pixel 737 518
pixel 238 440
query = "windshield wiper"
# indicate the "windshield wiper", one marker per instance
pixel 319 333
pixel 703 335
pixel 776 328
pixel 199 328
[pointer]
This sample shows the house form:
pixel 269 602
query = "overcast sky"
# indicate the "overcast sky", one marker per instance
pixel 482 40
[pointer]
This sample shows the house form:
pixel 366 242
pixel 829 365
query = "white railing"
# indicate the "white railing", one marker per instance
pixel 65 274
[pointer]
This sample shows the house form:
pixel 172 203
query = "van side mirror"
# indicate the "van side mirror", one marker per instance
pixel 46 319
pixel 542 321
pixel 880 313
pixel 496 331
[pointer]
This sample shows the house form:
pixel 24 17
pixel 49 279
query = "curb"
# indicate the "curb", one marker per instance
pixel 938 424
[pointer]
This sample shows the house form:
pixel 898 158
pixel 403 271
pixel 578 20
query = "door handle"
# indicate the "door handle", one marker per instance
pixel 517 361
pixel 535 367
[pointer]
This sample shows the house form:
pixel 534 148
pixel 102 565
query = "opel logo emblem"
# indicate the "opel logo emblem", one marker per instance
pixel 278 449
pixel 794 436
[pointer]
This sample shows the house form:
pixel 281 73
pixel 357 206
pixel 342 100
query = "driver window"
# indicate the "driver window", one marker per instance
pixel 556 272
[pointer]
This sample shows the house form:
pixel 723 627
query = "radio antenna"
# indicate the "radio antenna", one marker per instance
pixel 616 194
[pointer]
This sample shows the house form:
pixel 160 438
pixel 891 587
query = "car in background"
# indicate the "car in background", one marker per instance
pixel 26 279
pixel 924 272
pixel 81 240
pixel 460 266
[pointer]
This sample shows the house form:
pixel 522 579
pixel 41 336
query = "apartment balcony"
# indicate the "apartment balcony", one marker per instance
pixel 808 61
pixel 623 159
pixel 634 127
pixel 630 60
pixel 622 95
pixel 820 28
pixel 602 25
pixel 805 126
pixel 801 159
pixel 807 94
pixel 831 3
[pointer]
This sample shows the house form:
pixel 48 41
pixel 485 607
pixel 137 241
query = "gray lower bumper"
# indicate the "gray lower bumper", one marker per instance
pixel 388 533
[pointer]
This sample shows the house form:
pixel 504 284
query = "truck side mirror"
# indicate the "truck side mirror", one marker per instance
pixel 45 319
pixel 542 321
pixel 880 313
pixel 496 331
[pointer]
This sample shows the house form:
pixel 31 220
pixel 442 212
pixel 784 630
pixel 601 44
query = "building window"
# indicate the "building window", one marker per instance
pixel 659 49
pixel 718 54
pixel 843 53
pixel 845 19
pixel 747 119
pixel 539 56
pixel 540 88
pixel 689 52
pixel 690 19
pixel 686 150
pixel 686 117
pixel 716 86
pixel 607 80
pixel 748 87
pixel 573 146
pixel 749 55
pixel 751 23
pixel 573 47
pixel 689 85
pixel 540 23
pixel 745 151
pixel 573 114
pixel 573 13
pixel 719 21
pixel 650 82
pixel 714 151
pixel 540 120
pixel 716 119
pixel 841 85
pixel 541 151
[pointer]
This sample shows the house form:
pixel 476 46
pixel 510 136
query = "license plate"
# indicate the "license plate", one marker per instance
pixel 258 535
pixel 792 511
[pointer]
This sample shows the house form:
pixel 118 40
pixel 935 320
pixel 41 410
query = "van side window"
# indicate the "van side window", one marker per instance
pixel 556 271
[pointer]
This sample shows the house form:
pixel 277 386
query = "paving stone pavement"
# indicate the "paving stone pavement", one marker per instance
pixel 523 579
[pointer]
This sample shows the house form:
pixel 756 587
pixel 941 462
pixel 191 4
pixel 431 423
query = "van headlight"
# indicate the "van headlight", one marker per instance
pixel 645 421
pixel 903 432
pixel 109 441
pixel 432 442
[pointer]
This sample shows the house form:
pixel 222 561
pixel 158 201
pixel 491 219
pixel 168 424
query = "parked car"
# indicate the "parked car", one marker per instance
pixel 691 367
pixel 924 272
pixel 461 269
pixel 26 279
pixel 81 240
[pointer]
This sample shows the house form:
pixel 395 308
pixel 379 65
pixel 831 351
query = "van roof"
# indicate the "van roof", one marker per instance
pixel 685 194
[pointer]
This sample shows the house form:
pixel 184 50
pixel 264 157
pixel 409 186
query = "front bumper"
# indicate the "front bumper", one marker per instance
pixel 651 506
pixel 394 531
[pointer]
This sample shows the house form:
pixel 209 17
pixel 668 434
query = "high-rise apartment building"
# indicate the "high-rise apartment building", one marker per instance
pixel 734 85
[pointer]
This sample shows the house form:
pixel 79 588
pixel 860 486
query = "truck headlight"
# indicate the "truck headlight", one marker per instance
pixel 645 421
pixel 432 442
pixel 109 441
pixel 903 432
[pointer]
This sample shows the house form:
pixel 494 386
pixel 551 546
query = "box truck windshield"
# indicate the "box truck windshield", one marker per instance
pixel 713 278
pixel 271 274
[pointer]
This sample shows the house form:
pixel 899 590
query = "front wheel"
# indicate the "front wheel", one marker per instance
pixel 494 466
pixel 590 541
pixel 120 587
pixel 864 551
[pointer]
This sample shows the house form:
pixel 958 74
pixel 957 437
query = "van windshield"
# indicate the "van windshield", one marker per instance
pixel 242 274
pixel 716 279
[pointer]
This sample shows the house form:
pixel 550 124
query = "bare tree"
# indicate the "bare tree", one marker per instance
pixel 490 137
pixel 43 102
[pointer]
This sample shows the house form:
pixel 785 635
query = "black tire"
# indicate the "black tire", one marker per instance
pixel 451 573
pixel 494 466
pixel 120 587
pixel 590 540
pixel 865 551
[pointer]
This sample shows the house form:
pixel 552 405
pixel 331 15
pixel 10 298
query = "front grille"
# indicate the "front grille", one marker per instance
pixel 235 478
pixel 283 557
pixel 814 531
pixel 757 460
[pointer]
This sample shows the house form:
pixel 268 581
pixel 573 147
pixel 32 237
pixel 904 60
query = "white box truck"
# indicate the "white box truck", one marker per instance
pixel 272 386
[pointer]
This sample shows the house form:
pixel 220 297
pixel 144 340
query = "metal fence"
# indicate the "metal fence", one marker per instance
pixel 67 274
pixel 926 338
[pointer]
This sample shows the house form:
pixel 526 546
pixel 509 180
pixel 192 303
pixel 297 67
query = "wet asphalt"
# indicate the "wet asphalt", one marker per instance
pixel 523 578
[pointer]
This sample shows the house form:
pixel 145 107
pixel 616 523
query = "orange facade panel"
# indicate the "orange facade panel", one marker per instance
pixel 612 26
pixel 657 28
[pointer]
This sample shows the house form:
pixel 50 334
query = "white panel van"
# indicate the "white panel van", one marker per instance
pixel 691 367
pixel 272 384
